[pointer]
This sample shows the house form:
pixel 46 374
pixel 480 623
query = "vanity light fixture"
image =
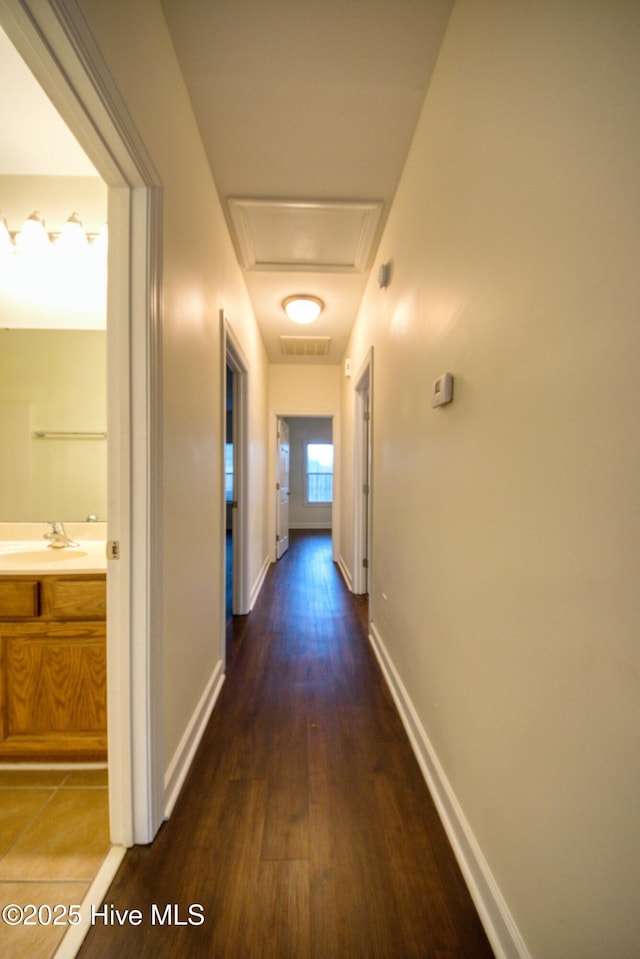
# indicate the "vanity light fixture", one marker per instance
pixel 303 308
pixel 33 237
pixel 73 238
pixel 7 245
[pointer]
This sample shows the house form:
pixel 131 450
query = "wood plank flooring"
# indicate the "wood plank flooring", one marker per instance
pixel 305 829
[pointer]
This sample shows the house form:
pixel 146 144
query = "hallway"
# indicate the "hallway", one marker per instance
pixel 305 828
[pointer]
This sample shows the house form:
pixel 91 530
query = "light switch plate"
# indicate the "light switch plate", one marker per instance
pixel 442 391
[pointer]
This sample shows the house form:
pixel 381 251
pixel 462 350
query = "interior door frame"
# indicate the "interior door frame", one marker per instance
pixel 363 469
pixel 55 41
pixel 336 432
pixel 234 358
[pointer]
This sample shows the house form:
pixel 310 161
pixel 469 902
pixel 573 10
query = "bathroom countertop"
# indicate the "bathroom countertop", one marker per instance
pixel 33 557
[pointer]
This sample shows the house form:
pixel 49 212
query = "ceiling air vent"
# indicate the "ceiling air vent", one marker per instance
pixel 305 345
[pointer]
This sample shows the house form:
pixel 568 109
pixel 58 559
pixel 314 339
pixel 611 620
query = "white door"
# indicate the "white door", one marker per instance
pixel 362 480
pixel 282 489
pixel 366 489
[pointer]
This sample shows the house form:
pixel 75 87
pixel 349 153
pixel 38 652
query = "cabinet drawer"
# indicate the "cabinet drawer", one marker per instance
pixel 74 598
pixel 19 598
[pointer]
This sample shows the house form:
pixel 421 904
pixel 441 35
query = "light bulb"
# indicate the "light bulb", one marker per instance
pixel 33 237
pixel 72 237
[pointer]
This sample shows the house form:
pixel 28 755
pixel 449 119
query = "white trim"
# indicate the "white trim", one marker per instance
pixel 146 517
pixel 344 569
pixel 75 935
pixel 183 756
pixel 502 932
pixel 259 583
pixel 318 215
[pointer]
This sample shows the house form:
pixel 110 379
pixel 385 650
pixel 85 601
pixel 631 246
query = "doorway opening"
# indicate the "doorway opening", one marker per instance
pixel 53 445
pixel 230 482
pixel 86 99
pixel 304 476
pixel 235 486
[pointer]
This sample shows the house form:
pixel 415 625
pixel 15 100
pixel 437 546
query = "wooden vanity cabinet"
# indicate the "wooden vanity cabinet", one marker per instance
pixel 53 671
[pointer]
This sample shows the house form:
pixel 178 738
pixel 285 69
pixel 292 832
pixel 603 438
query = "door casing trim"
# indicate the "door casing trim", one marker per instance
pixel 233 356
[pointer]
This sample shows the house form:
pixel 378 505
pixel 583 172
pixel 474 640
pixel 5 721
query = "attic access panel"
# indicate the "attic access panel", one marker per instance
pixel 311 236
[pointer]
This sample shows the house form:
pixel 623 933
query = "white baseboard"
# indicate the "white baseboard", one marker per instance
pixel 75 935
pixel 183 756
pixel 502 932
pixel 346 575
pixel 259 583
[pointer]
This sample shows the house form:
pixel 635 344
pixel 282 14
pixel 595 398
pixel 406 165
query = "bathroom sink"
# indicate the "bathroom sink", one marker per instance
pixel 38 556
pixel 29 557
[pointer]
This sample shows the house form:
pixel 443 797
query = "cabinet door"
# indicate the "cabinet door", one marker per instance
pixel 53 699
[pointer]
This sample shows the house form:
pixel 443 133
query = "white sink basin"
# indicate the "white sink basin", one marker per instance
pixel 43 555
pixel 30 557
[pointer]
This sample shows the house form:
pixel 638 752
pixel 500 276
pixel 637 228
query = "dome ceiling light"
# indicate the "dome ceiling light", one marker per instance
pixel 303 308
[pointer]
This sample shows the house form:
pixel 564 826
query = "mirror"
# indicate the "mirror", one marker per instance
pixel 53 450
pixel 52 315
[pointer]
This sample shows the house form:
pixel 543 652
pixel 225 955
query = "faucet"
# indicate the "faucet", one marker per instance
pixel 58 536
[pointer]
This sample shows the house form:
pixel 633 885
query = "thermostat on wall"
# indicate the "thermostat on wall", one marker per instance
pixel 442 390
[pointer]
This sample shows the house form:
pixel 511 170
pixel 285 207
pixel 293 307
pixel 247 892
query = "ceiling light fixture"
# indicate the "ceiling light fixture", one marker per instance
pixel 303 308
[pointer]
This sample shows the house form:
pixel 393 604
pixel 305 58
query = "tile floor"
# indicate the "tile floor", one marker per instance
pixel 54 835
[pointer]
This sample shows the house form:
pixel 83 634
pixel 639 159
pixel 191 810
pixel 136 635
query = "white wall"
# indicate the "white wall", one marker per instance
pixel 304 430
pixel 200 277
pixel 506 526
pixel 56 198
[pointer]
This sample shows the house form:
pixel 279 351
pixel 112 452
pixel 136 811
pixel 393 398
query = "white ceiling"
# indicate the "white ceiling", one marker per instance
pixel 312 103
pixel 309 103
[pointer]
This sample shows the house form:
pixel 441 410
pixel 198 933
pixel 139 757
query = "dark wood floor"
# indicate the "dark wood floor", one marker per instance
pixel 305 829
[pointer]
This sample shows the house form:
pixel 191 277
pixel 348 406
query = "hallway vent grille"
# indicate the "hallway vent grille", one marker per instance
pixel 305 345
